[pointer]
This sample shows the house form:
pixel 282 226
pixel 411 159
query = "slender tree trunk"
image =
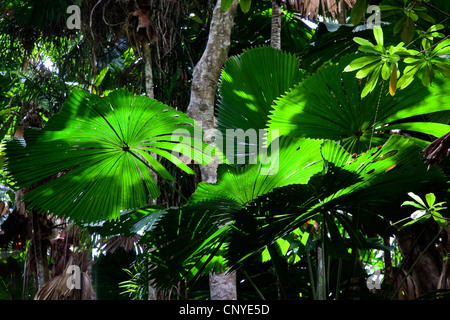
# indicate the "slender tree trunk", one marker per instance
pixel 149 92
pixel 201 108
pixel 148 71
pixel 275 36
pixel 423 258
pixel 279 262
pixel 40 255
pixel 341 12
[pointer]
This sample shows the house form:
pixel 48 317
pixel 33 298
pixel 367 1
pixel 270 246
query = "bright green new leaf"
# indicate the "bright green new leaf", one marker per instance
pixel 385 71
pixel 225 4
pixel 442 48
pixel 439 219
pixel 360 63
pixel 245 5
pixel 431 198
pixel 413 203
pixel 378 33
pixel 363 42
pixel 417 198
pixel 364 72
pixel 370 85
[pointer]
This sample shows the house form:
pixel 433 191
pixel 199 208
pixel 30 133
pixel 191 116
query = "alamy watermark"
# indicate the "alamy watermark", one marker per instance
pixel 74 20
pixel 375 17
pixel 73 273
pixel 374 280
pixel 236 146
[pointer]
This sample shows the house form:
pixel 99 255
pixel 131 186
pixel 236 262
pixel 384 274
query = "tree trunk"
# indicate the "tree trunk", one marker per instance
pixel 148 71
pixel 40 255
pixel 201 108
pixel 275 35
pixel 341 12
pixel 149 92
pixel 422 258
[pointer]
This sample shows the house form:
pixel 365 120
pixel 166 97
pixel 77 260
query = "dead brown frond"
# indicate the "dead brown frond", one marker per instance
pixel 437 150
pixel 310 9
pixel 126 243
pixel 61 287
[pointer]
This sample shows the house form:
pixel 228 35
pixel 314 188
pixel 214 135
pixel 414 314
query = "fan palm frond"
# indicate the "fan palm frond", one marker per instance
pixel 100 150
pixel 327 105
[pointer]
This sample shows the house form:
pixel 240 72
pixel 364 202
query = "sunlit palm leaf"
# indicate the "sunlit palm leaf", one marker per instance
pixel 356 185
pixel 100 150
pixel 294 161
pixel 193 239
pixel 328 105
pixel 238 217
pixel 249 84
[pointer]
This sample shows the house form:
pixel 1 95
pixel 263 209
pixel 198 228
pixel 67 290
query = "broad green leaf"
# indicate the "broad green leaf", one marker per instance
pixel 425 16
pixel 363 42
pixel 428 75
pixel 412 60
pixel 417 199
pixel 360 63
pixel 370 49
pixel 440 220
pixel 378 33
pixel 408 30
pixel 245 5
pixel 442 48
pixel 225 4
pixel 431 198
pixel 90 160
pixel 414 204
pixel 443 67
pixel 364 72
pixel 435 27
pixel 385 71
pixel 412 14
pixel 249 84
pixel 408 75
pixel 370 85
pixel 358 10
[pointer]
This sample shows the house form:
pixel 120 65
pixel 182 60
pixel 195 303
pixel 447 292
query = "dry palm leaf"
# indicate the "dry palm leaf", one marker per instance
pixel 57 288
pixel 437 150
pixel 310 8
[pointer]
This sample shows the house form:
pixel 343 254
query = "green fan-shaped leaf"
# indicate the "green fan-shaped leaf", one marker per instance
pixel 130 223
pixel 206 222
pixel 249 84
pixel 244 212
pixel 292 161
pixel 93 160
pixel 357 185
pixel 328 105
